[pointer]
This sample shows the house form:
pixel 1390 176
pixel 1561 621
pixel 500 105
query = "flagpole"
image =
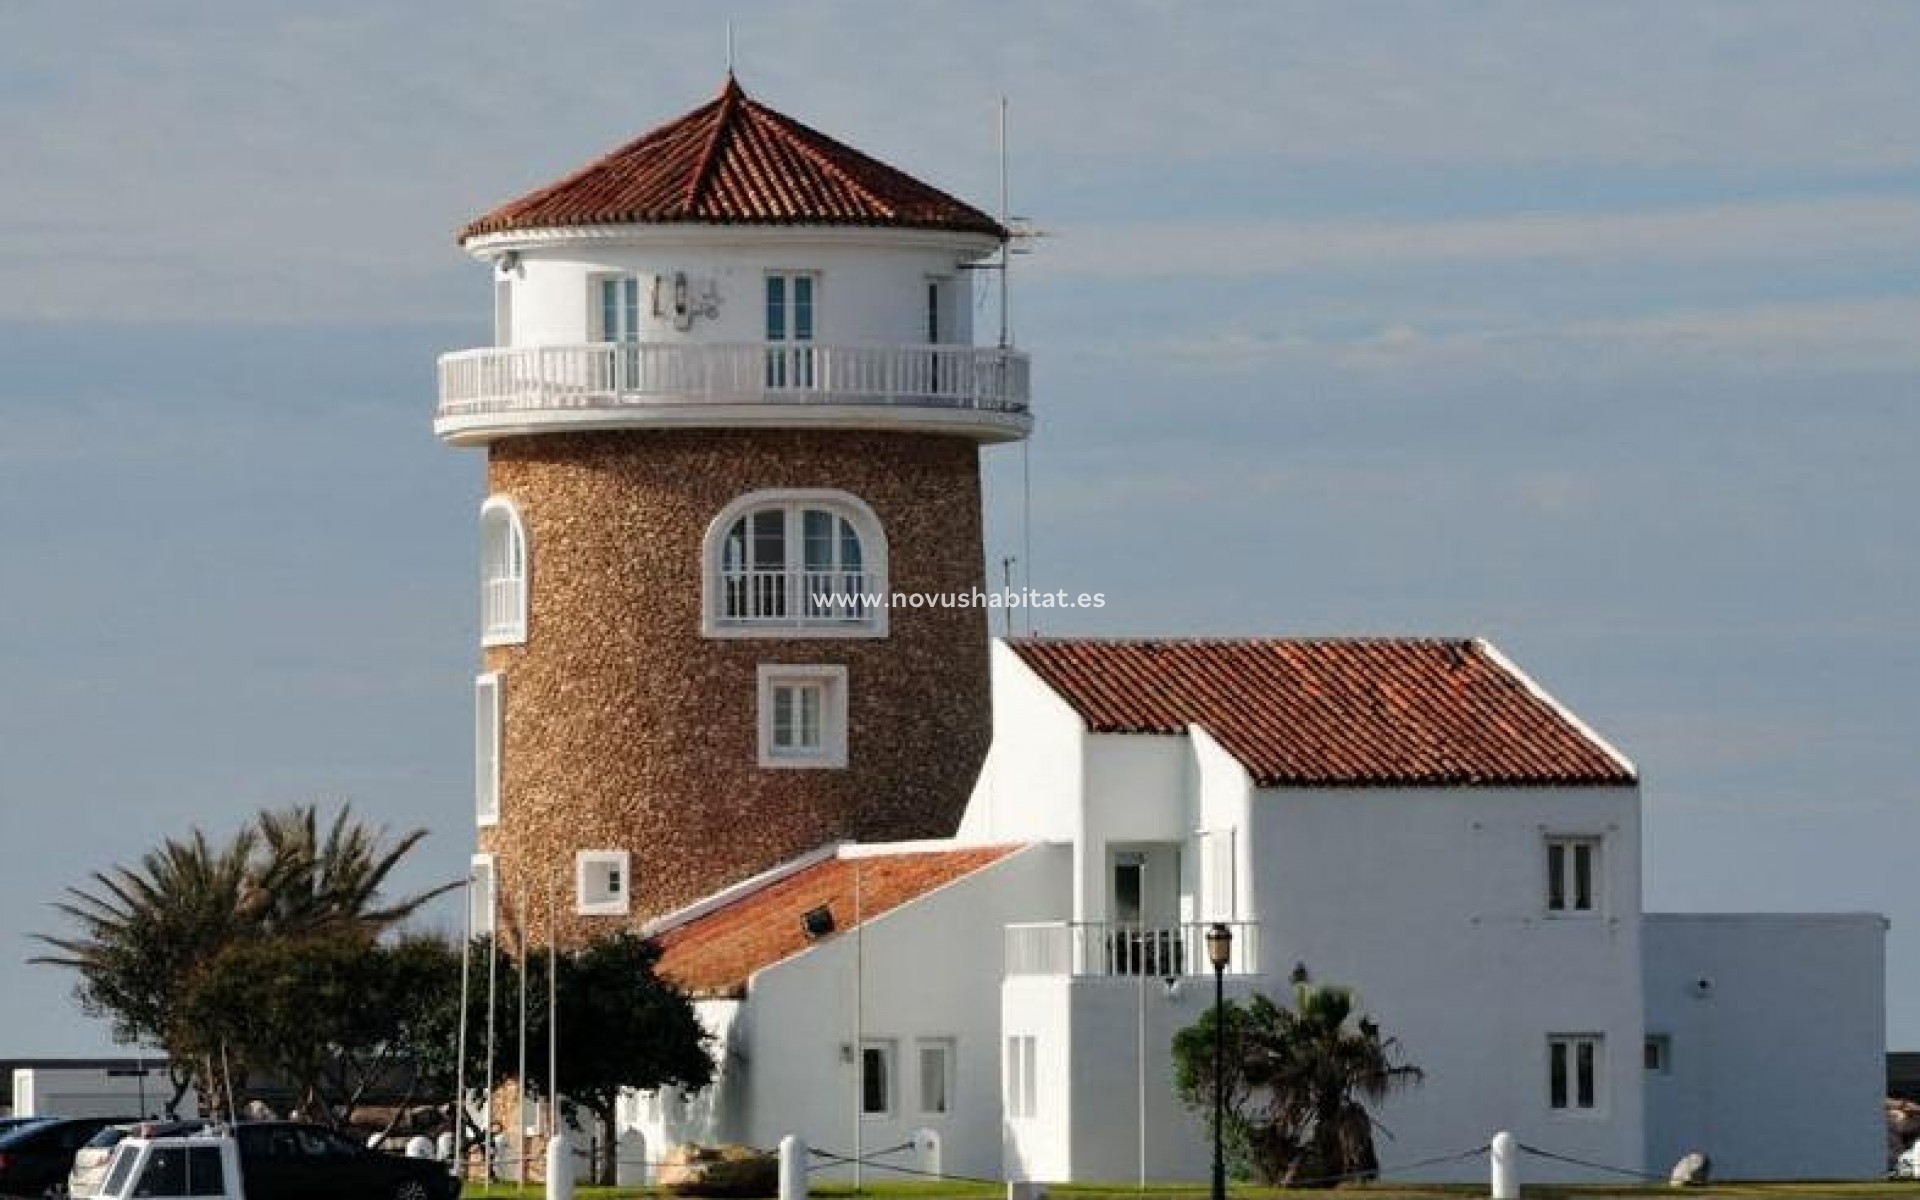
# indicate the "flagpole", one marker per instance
pixel 493 1002
pixel 520 1080
pixel 460 1062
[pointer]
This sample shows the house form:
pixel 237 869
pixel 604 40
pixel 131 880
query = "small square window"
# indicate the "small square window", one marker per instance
pixel 803 716
pixel 1575 1072
pixel 602 883
pixel 1658 1055
pixel 1573 876
pixel 876 1079
pixel 936 1076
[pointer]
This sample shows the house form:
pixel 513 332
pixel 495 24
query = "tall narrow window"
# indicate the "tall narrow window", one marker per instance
pixel 1573 875
pixel 619 322
pixel 934 334
pixel 486 749
pixel 503 574
pixel 1574 1072
pixel 936 1076
pixel 1022 1076
pixel 812 561
pixel 789 326
pixel 876 1078
pixel 1217 874
pixel 483 896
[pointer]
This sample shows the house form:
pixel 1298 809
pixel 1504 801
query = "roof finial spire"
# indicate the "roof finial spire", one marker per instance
pixel 729 49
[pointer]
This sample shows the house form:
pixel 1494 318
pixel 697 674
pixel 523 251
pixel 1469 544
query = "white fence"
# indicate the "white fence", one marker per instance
pixel 1102 948
pixel 616 374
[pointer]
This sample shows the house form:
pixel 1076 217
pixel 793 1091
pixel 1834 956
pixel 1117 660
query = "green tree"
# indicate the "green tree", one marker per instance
pixel 141 932
pixel 621 1026
pixel 1300 1082
pixel 332 1015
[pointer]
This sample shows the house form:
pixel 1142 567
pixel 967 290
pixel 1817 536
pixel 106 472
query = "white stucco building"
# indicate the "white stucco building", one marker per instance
pixel 733 407
pixel 1415 819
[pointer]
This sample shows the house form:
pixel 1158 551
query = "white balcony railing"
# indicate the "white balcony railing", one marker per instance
pixel 1099 948
pixel 750 597
pixel 609 375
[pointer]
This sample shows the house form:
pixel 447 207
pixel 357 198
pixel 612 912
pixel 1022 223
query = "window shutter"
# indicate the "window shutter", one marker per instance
pixel 486 749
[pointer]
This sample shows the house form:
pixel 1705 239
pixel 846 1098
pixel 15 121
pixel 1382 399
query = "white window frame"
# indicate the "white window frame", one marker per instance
pixel 889 1052
pixel 489 732
pixel 831 678
pixel 627 305
pixel 1567 1046
pixel 791 364
pixel 483 895
pixel 794 502
pixel 1021 1097
pixel 591 898
pixel 947 1050
pixel 504 573
pixel 1568 846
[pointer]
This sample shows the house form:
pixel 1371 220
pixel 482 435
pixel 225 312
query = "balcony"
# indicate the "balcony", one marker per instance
pixel 973 391
pixel 1100 949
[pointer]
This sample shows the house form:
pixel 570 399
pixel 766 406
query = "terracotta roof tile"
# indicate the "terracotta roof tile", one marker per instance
pixel 1335 713
pixel 736 161
pixel 716 952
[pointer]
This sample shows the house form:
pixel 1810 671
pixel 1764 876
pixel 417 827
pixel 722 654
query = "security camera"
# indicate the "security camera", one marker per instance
pixel 1702 987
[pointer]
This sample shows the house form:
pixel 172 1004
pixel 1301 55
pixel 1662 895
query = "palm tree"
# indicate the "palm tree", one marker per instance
pixel 310 882
pixel 142 931
pixel 1299 1083
pixel 1322 1064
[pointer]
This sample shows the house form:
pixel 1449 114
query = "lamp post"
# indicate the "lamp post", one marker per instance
pixel 1219 953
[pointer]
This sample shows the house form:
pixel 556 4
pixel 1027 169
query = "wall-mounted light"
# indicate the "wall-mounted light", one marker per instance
pixel 817 923
pixel 507 262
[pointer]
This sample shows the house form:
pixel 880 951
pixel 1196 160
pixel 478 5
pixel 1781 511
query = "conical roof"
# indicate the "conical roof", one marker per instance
pixel 734 161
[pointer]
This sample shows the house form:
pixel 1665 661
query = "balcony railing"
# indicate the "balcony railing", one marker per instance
pixel 613 375
pixel 1103 949
pixel 780 597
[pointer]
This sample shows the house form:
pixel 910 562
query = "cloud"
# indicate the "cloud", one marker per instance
pixel 1879 333
pixel 1859 229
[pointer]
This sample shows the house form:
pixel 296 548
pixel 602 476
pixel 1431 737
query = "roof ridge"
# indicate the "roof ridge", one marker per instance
pixel 731 94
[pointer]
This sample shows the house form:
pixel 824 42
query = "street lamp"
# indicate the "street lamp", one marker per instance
pixel 1219 953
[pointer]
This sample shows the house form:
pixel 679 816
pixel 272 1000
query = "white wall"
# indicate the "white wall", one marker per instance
pixel 871 283
pixel 90 1092
pixel 1031 785
pixel 1432 904
pixel 930 969
pixel 1778 1064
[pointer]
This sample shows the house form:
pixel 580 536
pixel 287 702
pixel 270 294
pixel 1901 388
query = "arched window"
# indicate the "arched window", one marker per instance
pixel 503 574
pixel 812 563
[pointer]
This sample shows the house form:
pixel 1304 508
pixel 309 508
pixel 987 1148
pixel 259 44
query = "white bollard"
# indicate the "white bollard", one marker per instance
pixel 631 1167
pixel 926 1145
pixel 559 1168
pixel 1505 1158
pixel 793 1168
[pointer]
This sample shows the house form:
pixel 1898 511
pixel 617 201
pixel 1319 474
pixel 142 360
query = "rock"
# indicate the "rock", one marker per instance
pixel 1693 1170
pixel 729 1171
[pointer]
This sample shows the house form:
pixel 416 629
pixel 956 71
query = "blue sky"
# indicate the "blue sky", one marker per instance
pixel 1592 329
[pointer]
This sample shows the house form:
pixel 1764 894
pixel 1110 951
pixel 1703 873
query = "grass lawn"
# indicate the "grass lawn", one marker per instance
pixel 931 1189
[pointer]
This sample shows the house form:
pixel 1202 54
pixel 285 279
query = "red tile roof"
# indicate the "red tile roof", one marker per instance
pixel 716 952
pixel 736 161
pixel 1335 713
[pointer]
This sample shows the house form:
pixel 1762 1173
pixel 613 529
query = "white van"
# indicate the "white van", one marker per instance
pixel 191 1167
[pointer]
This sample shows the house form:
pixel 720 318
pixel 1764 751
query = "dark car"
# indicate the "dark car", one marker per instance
pixel 35 1158
pixel 286 1160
